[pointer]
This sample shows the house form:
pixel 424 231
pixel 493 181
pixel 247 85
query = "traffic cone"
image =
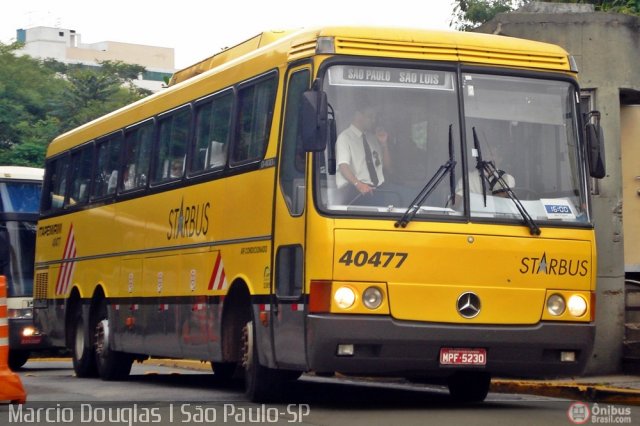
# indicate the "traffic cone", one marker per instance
pixel 10 385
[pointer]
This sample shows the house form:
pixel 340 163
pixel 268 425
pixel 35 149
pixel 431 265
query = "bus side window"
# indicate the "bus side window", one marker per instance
pixel 171 148
pixel 55 184
pixel 81 162
pixel 292 157
pixel 105 178
pixel 135 168
pixel 289 273
pixel 254 120
pixel 213 120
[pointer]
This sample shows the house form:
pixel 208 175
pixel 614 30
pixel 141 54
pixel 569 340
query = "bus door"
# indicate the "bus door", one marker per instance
pixel 288 299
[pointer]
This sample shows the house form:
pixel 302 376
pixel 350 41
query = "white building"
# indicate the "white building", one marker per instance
pixel 65 46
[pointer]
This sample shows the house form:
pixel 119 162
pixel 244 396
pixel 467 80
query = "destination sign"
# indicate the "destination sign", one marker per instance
pixel 390 77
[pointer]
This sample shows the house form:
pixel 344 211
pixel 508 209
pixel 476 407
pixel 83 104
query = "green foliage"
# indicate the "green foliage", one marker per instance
pixel 629 7
pixel 469 14
pixel 40 99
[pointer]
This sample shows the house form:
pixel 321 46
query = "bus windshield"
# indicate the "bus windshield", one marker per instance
pixel 527 128
pixel 18 256
pixel 18 234
pixel 20 197
pixel 410 120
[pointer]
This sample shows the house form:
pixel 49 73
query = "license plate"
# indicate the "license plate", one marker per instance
pixel 30 340
pixel 463 356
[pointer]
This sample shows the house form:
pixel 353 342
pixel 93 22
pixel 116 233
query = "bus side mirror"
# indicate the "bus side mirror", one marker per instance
pixel 315 121
pixel 595 151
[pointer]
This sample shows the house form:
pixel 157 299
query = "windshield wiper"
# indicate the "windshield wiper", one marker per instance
pixel 487 169
pixel 448 167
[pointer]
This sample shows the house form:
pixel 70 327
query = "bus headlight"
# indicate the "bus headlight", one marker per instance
pixel 577 306
pixel 344 297
pixel 25 313
pixel 372 298
pixel 556 305
pixel 28 331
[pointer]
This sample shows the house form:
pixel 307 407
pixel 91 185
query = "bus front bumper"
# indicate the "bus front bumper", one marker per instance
pixel 383 346
pixel 24 336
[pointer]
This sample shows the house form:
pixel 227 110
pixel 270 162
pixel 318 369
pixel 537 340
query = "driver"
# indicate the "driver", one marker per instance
pixel 362 154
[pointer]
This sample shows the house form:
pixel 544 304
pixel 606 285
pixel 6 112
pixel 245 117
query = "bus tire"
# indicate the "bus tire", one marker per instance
pixel 469 386
pixel 262 384
pixel 111 365
pixel 17 359
pixel 82 354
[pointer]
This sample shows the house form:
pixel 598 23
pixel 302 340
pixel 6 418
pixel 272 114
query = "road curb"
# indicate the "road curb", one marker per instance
pixel 569 390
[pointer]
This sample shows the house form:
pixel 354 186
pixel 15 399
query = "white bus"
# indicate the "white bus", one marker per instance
pixel 20 189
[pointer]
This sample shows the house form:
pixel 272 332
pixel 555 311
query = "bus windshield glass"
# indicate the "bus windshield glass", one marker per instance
pixel 20 197
pixel 18 256
pixel 402 126
pixel 527 128
pixel 18 234
pixel 408 117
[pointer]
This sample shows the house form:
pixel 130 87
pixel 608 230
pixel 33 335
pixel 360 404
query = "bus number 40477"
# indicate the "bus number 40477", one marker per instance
pixel 376 259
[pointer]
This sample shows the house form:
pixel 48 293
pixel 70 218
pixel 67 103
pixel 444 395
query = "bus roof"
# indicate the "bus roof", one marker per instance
pixel 279 47
pixel 470 47
pixel 20 173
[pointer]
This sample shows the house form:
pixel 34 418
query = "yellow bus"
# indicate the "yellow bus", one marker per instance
pixel 215 220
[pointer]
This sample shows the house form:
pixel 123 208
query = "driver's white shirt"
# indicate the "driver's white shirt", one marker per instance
pixel 350 151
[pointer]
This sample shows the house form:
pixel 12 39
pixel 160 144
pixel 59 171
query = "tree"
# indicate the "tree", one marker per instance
pixel 96 91
pixel 469 14
pixel 29 93
pixel 40 99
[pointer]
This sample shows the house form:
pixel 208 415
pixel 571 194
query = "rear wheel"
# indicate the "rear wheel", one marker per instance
pixel 470 386
pixel 17 359
pixel 112 365
pixel 82 353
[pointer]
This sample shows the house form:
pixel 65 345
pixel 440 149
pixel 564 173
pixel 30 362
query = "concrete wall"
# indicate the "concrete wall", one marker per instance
pixel 606 49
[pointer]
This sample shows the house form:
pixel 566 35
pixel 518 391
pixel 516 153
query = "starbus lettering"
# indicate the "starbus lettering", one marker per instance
pixel 188 221
pixel 553 266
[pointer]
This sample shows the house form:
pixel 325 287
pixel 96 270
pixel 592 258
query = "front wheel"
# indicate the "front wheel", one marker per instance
pixel 470 386
pixel 262 384
pixel 82 354
pixel 112 365
pixel 17 359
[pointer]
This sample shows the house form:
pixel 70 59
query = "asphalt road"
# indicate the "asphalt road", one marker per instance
pixel 156 395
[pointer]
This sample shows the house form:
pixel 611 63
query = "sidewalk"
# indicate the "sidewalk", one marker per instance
pixel 620 389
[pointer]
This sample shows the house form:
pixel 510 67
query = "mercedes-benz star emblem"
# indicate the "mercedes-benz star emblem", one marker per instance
pixel 468 305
